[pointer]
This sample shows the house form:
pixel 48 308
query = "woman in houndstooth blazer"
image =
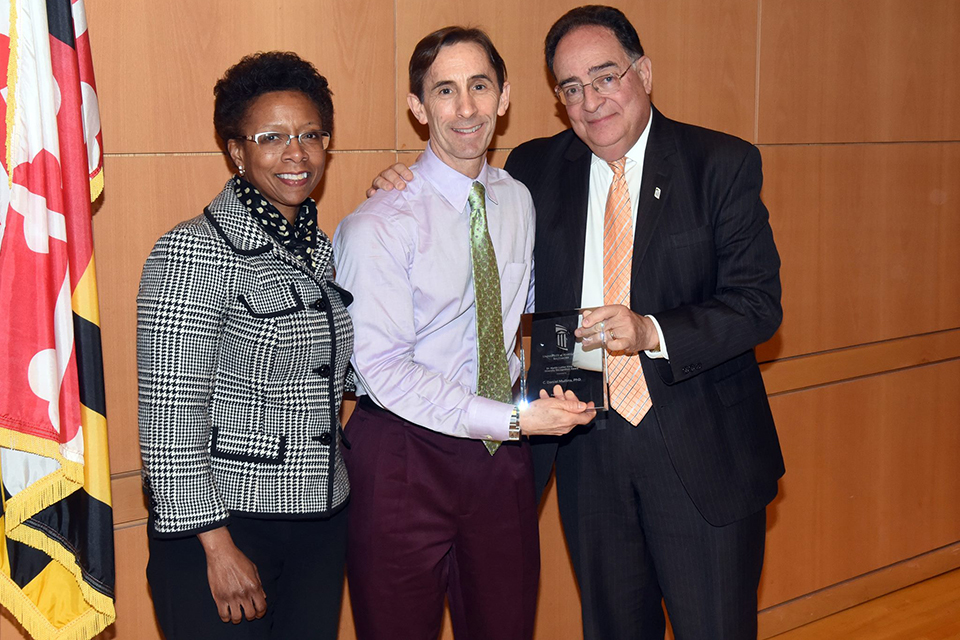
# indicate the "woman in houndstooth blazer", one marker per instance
pixel 243 343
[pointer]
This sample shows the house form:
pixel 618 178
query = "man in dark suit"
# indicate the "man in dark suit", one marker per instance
pixel 664 496
pixel 667 495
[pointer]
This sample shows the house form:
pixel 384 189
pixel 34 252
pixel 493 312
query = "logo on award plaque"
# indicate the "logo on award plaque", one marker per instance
pixel 557 359
pixel 563 338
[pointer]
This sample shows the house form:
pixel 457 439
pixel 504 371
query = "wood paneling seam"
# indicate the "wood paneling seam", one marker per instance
pixel 850 144
pixel 861 345
pixel 130 524
pixel 930 363
pixel 796 612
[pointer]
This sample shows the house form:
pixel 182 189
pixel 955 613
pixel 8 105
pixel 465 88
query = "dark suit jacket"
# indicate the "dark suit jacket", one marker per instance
pixel 705 265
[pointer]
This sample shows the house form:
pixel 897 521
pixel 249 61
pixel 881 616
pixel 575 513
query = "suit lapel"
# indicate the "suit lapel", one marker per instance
pixel 574 193
pixel 654 187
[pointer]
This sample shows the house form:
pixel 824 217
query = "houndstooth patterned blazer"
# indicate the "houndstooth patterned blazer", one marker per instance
pixel 242 356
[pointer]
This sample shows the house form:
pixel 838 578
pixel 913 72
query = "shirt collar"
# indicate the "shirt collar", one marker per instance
pixel 637 151
pixel 452 185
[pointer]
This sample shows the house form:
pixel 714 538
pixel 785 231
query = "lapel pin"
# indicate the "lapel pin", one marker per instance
pixel 656 193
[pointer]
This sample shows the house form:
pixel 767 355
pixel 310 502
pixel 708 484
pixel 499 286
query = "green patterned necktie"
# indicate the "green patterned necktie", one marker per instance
pixel 493 374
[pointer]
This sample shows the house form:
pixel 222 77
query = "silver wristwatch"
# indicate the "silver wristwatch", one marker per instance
pixel 514 433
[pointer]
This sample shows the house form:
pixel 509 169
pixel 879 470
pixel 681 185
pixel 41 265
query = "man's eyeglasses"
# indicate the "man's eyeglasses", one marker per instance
pixel 573 92
pixel 273 142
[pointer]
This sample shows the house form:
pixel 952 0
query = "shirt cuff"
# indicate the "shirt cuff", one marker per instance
pixel 489 419
pixel 662 353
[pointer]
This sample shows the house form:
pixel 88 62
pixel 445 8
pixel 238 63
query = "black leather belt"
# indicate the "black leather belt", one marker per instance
pixel 369 405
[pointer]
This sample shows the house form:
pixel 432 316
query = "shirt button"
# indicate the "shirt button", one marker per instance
pixel 323 370
pixel 324 439
pixel 319 304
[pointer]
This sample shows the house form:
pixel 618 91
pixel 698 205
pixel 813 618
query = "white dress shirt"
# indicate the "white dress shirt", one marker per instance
pixel 601 177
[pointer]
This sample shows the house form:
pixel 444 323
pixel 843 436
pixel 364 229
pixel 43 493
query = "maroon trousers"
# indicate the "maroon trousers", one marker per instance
pixel 433 516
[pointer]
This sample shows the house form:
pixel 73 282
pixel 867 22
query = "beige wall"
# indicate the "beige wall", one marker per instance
pixel 855 106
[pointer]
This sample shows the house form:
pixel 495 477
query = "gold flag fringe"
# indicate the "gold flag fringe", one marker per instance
pixel 44 492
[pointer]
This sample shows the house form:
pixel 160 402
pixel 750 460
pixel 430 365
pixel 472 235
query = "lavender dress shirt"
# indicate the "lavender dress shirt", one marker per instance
pixel 405 257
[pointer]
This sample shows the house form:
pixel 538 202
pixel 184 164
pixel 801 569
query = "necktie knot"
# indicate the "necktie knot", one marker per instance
pixel 618 166
pixel 476 196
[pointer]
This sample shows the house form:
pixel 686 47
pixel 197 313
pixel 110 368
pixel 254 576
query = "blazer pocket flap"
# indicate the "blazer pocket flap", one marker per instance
pixel 740 385
pixel 272 302
pixel 244 445
pixel 692 236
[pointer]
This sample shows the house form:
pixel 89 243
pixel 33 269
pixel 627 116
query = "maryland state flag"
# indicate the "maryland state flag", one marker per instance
pixel 56 531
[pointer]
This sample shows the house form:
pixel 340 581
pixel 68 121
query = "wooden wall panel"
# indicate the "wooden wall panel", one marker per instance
pixel 867 232
pixel 156 64
pixel 800 611
pixel 871 478
pixel 867 236
pixel 791 374
pixel 704 60
pixel 859 70
pixel 703 55
pixel 10 629
pixel 135 618
pixel 137 209
pixel 558 608
pixel 129 503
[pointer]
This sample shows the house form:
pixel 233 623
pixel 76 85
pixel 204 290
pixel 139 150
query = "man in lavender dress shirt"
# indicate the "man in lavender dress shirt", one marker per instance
pixel 433 513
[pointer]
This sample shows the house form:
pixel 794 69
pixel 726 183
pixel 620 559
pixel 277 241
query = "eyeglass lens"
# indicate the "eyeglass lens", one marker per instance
pixel 309 140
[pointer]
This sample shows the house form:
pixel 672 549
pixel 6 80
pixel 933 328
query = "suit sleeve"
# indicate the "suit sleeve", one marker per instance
pixel 179 309
pixel 745 307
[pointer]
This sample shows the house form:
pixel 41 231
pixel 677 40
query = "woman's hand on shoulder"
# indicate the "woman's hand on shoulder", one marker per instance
pixel 234 580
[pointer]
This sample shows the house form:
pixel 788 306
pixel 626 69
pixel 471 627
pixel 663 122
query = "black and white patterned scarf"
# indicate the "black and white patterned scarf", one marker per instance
pixel 299 238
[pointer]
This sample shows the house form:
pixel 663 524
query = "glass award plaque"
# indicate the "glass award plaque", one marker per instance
pixel 555 358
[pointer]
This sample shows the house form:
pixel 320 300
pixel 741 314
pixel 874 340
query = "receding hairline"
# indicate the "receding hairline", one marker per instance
pixel 431 46
pixel 607 17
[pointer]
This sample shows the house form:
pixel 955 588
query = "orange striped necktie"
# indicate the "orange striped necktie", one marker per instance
pixel 628 390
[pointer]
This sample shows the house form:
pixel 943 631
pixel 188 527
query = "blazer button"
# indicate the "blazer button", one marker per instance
pixel 323 370
pixel 325 439
pixel 319 304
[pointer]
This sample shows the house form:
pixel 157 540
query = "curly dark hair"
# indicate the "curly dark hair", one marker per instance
pixel 261 73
